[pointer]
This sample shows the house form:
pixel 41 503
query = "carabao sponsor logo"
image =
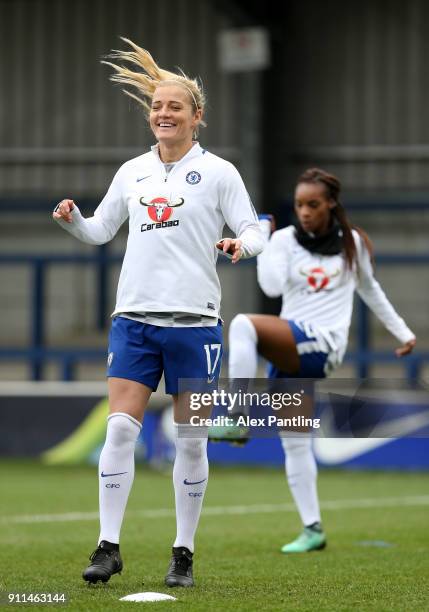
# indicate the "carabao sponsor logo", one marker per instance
pixel 161 209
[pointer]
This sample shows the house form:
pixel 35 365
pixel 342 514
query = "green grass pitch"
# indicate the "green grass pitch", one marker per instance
pixel 238 565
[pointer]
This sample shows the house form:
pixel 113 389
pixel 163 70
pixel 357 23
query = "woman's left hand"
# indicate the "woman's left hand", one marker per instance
pixel 406 348
pixel 232 246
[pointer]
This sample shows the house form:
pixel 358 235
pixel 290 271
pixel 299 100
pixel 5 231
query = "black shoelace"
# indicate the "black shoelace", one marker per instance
pixel 181 563
pixel 100 554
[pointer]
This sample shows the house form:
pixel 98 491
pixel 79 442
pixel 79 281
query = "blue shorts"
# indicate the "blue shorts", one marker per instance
pixel 143 352
pixel 311 359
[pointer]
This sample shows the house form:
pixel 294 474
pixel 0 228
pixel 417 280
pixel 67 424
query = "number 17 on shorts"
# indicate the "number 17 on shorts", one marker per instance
pixel 213 354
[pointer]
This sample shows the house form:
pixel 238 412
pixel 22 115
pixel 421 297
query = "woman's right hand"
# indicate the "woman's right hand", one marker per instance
pixel 63 211
pixel 406 348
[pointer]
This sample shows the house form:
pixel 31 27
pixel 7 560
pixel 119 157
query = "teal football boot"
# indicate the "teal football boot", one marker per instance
pixel 310 539
pixel 236 435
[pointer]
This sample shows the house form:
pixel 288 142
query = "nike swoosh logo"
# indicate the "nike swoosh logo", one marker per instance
pixel 103 475
pixel 143 178
pixel 194 483
pixel 332 451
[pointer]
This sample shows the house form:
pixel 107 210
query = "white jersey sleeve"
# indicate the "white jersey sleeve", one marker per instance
pixel 373 295
pixel 273 264
pixel 108 217
pixel 238 212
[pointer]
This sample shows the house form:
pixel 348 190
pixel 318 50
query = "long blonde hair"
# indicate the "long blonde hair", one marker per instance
pixel 152 76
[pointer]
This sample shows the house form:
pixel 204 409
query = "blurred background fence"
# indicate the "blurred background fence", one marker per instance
pixel 40 344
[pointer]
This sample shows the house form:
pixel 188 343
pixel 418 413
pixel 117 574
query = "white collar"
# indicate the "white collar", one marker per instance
pixel 195 150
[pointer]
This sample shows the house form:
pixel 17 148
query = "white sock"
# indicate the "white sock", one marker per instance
pixel 116 473
pixel 243 352
pixel 190 475
pixel 243 357
pixel 301 473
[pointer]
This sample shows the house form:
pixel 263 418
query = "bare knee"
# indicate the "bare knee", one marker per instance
pixel 128 396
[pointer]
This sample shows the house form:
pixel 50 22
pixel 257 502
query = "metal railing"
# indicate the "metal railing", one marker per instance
pixel 36 353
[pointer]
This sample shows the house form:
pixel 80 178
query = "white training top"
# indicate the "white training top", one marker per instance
pixel 175 219
pixel 317 290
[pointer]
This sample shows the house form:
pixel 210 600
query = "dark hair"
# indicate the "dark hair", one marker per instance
pixel 333 189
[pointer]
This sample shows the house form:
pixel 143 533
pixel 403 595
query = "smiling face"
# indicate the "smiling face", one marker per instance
pixel 173 118
pixel 313 207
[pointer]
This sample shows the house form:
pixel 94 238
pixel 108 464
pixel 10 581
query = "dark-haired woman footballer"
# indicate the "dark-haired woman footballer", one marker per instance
pixel 315 267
